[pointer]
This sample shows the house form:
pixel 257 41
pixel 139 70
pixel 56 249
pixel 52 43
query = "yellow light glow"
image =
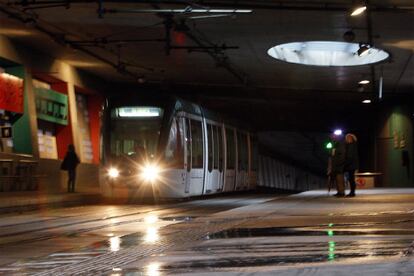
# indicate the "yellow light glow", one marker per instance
pixel 15 32
pixel 151 219
pixel 358 10
pixel 115 244
pixel 152 235
pixel 153 269
pixel 113 173
pixel 5 75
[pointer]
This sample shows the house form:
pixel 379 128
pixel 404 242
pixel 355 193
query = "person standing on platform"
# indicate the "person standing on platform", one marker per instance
pixel 70 162
pixel 351 161
pixel 338 162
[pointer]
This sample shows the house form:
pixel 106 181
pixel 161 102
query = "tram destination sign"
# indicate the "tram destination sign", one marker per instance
pixel 51 106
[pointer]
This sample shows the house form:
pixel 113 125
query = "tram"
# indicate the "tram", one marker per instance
pixel 171 148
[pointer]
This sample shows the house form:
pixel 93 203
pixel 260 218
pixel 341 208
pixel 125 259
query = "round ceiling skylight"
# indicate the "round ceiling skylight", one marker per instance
pixel 326 53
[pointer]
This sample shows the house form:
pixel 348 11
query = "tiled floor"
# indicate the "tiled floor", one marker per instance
pixel 311 233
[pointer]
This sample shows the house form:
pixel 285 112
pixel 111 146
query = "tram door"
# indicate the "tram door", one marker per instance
pixel 214 173
pixel 231 159
pixel 194 157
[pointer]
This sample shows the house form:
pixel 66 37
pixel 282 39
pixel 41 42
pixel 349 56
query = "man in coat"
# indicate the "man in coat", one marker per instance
pixel 338 163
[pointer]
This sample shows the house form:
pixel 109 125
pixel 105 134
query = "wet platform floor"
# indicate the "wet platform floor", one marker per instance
pixel 311 233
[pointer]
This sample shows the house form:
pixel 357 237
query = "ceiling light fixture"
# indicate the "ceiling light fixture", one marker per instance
pixel 364 82
pixel 358 10
pixel 363 49
pixel 366 101
pixel 327 53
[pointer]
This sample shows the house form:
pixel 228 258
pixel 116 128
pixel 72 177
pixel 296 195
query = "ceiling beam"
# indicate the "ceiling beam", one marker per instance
pixel 269 5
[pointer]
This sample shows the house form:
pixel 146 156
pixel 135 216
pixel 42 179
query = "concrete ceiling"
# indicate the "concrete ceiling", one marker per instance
pixel 246 76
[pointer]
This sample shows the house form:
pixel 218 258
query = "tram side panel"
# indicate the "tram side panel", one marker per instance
pixel 230 164
pixel 242 154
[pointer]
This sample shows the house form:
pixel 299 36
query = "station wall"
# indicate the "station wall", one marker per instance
pixel 28 137
pixel 394 147
pixel 275 174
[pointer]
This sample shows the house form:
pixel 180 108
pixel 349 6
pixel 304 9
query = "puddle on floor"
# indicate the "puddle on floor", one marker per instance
pixel 303 231
pixel 271 254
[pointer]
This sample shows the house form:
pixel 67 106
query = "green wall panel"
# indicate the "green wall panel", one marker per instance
pixel 21 128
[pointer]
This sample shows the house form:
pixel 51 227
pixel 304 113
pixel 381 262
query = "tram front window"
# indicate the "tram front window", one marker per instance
pixel 135 131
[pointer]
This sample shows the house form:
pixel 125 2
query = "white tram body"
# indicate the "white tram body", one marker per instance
pixel 173 149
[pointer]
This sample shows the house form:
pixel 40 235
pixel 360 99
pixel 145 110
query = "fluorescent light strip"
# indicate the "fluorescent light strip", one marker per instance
pixel 180 11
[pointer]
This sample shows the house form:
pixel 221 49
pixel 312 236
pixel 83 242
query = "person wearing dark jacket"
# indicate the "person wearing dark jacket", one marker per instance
pixel 337 164
pixel 351 160
pixel 69 164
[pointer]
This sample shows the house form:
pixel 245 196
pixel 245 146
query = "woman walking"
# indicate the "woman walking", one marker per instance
pixel 351 160
pixel 69 164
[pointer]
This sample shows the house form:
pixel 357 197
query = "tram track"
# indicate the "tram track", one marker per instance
pixel 184 206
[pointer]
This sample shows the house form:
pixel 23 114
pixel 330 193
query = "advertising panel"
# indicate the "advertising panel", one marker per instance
pixel 11 93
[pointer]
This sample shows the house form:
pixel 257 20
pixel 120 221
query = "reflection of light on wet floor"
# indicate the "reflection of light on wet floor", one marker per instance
pixel 331 254
pixel 115 244
pixel 151 219
pixel 151 235
pixel 153 269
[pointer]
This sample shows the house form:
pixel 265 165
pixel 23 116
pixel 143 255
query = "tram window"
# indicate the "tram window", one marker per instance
pixel 216 147
pixel 173 150
pixel 210 135
pixel 196 144
pixel 188 144
pixel 135 133
pixel 231 149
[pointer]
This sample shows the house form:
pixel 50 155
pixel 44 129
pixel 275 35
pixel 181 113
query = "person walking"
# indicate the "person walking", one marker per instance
pixel 337 164
pixel 70 162
pixel 351 161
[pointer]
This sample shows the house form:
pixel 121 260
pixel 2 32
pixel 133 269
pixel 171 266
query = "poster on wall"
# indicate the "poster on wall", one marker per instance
pixel 51 106
pixel 11 93
pixel 86 152
pixel 47 145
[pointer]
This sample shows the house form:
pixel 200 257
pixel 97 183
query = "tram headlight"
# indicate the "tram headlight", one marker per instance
pixel 150 173
pixel 113 173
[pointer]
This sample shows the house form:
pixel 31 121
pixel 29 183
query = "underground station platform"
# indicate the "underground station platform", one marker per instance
pixel 309 233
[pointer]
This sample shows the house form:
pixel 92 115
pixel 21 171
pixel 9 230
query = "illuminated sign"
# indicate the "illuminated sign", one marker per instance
pixel 51 106
pixel 145 111
pixel 11 93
